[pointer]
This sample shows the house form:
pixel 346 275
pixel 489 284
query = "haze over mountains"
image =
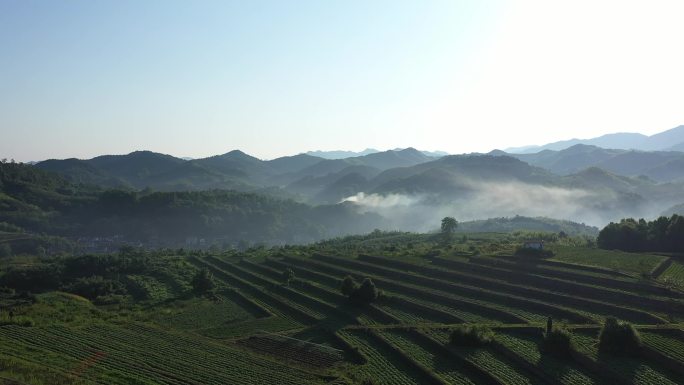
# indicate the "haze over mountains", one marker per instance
pixel 368 151
pixel 670 140
pixel 410 189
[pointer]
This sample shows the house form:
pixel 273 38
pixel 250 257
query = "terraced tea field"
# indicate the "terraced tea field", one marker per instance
pixel 260 330
pixel 402 338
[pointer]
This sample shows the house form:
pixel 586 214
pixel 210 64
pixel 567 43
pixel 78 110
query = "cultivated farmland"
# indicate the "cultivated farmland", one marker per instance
pixel 258 327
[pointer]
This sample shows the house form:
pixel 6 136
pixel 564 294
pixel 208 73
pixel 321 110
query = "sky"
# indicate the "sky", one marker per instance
pixel 273 78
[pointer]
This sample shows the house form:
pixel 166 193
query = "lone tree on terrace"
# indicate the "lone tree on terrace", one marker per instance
pixel 448 227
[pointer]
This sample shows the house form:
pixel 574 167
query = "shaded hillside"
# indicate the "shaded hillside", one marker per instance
pixel 39 201
pixel 662 166
pixel 519 223
pixel 481 186
pixel 457 172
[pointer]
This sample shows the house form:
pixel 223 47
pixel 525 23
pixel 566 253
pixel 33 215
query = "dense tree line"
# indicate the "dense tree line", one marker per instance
pixel 662 234
pixel 41 202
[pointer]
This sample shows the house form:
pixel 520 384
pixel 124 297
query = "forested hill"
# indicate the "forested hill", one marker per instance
pixel 43 202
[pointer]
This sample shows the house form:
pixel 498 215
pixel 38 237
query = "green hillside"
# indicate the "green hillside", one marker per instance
pixel 146 318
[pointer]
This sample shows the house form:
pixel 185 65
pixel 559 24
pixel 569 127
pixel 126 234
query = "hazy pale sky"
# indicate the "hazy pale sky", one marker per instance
pixel 272 78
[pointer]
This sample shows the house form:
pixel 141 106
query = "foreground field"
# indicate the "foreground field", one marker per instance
pixel 259 328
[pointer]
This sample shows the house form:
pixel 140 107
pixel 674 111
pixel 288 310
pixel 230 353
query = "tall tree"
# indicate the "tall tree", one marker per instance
pixel 448 228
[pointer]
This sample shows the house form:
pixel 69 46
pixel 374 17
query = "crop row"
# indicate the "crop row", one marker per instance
pixel 521 285
pixel 186 354
pixel 83 350
pixel 403 310
pixel 674 273
pixel 668 350
pixel 430 312
pixel 315 307
pixel 295 350
pixel 454 286
pixel 322 294
pixel 635 287
pixel 55 360
pixel 383 366
pixel 449 300
pixel 249 327
pixel 526 346
pixel 326 287
pixel 450 368
pixel 496 360
pixel 632 369
pixel 279 306
pixel 666 342
pixel 308 294
pixel 572 267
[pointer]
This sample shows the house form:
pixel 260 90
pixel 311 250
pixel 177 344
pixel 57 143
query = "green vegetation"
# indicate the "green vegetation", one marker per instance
pixel 448 228
pixel 638 263
pixel 362 294
pixel 42 202
pixel 635 369
pixel 562 371
pixel 558 342
pixel 203 282
pixel 662 234
pixel 674 275
pixel 619 338
pixel 422 311
pixel 548 226
pixel 471 335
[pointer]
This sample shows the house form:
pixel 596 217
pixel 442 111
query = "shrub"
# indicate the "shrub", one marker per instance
pixel 95 286
pixel 348 286
pixel 16 320
pixel 471 335
pixel 367 292
pixel 203 282
pixel 619 338
pixel 558 342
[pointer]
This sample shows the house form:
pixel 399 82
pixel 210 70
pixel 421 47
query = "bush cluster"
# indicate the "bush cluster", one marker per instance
pixel 471 335
pixel 364 293
pixel 619 338
pixel 558 342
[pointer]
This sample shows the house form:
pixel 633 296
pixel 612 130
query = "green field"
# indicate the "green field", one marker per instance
pixel 255 328
pixel 674 274
pixel 609 259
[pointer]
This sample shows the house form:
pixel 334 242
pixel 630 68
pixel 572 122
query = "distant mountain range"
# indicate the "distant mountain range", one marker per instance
pixel 368 151
pixel 233 170
pixel 409 188
pixel 660 166
pixel 670 140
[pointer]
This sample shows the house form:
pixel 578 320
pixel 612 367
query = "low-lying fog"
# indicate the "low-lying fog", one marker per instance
pixel 417 212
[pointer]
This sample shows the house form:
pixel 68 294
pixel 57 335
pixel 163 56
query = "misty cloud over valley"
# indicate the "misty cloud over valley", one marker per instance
pixel 418 212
